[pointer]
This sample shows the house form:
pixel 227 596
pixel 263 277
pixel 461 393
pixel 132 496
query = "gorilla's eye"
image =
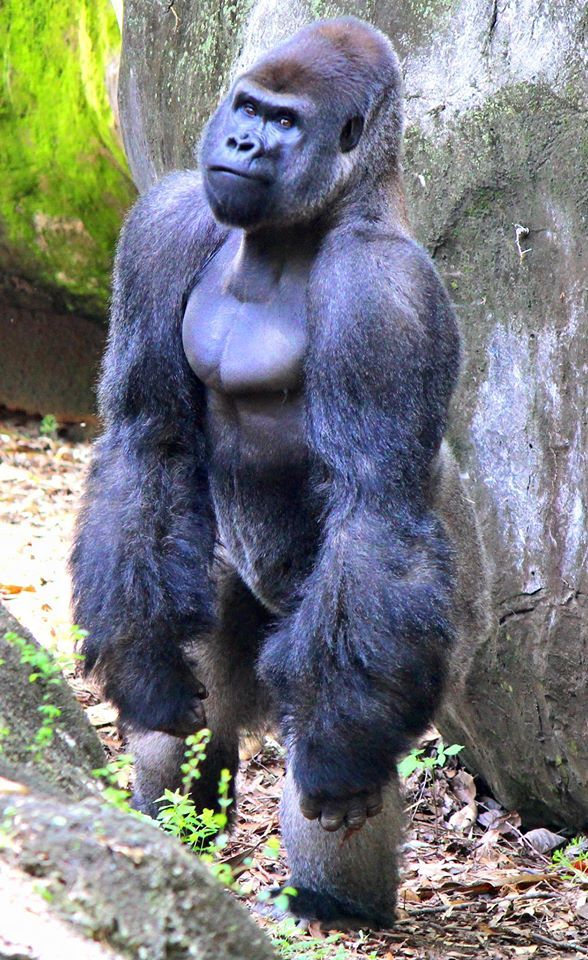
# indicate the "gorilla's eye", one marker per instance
pixel 286 122
pixel 249 109
pixel 350 134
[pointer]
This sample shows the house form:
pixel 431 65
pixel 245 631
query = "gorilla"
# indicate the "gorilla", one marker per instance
pixel 273 526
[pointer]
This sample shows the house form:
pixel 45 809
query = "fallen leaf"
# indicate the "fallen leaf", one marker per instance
pixel 582 906
pixel 464 819
pixel 13 588
pixel 543 840
pixel 136 854
pixel 102 714
pixel 464 787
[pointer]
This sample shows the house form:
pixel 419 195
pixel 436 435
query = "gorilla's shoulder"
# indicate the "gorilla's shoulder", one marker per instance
pixel 392 265
pixel 174 190
pixel 169 220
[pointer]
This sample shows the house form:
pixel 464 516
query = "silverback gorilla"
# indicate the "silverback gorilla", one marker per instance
pixel 272 523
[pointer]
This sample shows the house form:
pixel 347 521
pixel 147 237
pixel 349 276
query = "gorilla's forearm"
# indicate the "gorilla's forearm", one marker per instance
pixel 359 666
pixel 140 564
pixel 145 534
pixel 358 669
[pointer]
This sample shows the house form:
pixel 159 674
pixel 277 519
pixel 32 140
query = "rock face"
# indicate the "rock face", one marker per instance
pixel 64 188
pixel 74 871
pixel 66 768
pixel 496 170
pixel 122 882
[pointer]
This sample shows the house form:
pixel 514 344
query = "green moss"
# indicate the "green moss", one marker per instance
pixel 64 184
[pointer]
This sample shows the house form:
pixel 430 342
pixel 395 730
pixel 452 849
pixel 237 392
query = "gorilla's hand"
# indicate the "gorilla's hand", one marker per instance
pixel 350 812
pixel 187 714
pixel 168 701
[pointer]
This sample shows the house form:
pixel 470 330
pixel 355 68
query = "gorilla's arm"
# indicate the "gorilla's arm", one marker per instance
pixel 145 534
pixel 358 667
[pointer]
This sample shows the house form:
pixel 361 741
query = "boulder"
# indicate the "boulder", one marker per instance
pixel 64 188
pixel 65 767
pixel 80 878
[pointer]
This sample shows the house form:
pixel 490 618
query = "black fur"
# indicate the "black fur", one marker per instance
pixel 341 571
pixel 146 533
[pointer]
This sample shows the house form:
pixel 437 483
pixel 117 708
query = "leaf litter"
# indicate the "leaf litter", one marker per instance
pixel 473 883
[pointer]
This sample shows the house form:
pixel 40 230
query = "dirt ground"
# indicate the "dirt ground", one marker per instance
pixel 473 884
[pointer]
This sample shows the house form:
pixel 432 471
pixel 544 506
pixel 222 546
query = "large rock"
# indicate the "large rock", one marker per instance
pixel 497 175
pixel 120 881
pixel 64 188
pixel 66 767
pixel 74 871
pixel 49 362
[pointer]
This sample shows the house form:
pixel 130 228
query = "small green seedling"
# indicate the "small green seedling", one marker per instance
pixel 416 761
pixel 203 831
pixel 48 426
pixel 46 670
pixel 573 858
pixel 114 779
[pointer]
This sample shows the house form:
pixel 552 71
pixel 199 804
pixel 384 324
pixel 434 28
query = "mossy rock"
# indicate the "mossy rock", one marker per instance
pixel 64 766
pixel 64 183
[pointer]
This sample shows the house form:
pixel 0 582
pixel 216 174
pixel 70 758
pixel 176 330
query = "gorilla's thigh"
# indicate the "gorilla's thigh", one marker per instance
pixel 226 665
pixel 347 878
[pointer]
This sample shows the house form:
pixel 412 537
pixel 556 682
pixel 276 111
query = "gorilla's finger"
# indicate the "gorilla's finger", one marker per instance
pixel 310 808
pixel 356 813
pixel 191 720
pixel 374 803
pixel 332 816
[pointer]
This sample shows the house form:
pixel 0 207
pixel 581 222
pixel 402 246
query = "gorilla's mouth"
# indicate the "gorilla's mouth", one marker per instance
pixel 244 174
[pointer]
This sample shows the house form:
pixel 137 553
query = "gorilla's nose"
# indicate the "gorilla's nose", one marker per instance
pixel 247 144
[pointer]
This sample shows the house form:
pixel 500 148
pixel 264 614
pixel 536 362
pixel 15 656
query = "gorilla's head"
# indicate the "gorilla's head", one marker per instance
pixel 319 114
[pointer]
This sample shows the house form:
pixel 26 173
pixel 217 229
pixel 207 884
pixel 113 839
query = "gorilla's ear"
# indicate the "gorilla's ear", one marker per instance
pixel 350 134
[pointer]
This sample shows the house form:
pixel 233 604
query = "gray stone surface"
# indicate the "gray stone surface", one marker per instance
pixel 123 882
pixel 496 141
pixel 73 870
pixel 64 768
pixel 49 362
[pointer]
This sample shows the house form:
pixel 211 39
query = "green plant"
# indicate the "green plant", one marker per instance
pixel 200 830
pixel 114 778
pixel 47 670
pixel 48 426
pixel 292 944
pixel 573 858
pixel 417 761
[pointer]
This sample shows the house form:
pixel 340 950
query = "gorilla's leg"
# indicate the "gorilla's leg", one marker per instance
pixel 235 702
pixel 343 877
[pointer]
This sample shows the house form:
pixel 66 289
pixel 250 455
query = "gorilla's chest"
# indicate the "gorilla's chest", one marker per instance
pixel 243 344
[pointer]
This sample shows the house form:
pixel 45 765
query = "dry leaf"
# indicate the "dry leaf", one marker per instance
pixel 13 787
pixel 102 714
pixel 136 854
pixel 13 588
pixel 464 787
pixel 464 819
pixel 582 906
pixel 543 840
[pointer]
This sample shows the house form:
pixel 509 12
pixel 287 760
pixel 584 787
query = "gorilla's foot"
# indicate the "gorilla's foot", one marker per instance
pixel 335 913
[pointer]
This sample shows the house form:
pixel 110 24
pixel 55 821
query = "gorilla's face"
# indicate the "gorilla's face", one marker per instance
pixel 273 158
